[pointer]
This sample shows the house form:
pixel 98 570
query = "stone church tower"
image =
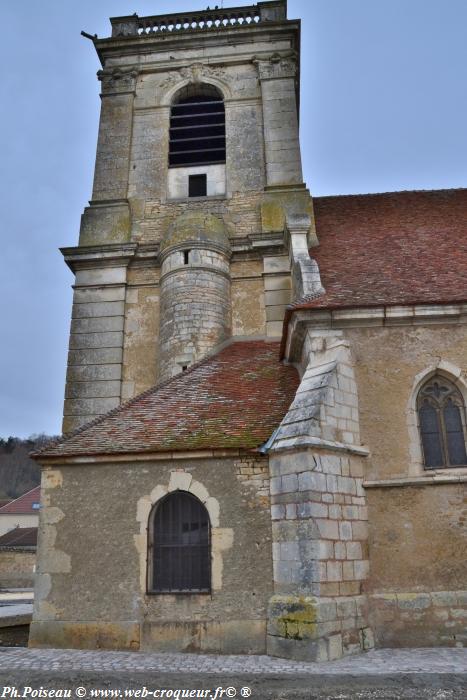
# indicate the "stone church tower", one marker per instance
pixel 261 429
pixel 197 177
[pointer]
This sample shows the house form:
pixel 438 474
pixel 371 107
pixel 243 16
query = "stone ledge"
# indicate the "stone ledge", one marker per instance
pixel 416 481
pixel 315 443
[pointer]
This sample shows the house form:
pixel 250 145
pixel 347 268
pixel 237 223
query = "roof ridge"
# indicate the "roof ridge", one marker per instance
pixel 385 192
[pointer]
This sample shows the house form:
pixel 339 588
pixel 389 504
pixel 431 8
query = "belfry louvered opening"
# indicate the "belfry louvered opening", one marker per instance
pixel 197 127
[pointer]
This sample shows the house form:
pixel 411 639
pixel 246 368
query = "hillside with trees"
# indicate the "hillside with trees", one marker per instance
pixel 18 472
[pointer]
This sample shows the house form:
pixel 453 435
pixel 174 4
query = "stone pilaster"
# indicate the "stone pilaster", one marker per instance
pixel 95 354
pixel 280 122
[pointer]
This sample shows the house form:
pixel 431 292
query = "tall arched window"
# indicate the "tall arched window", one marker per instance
pixel 197 127
pixel 179 558
pixel 441 417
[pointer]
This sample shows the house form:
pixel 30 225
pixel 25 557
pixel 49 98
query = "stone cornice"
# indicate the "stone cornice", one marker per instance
pixel 86 257
pixel 297 320
pixel 136 255
pixel 137 45
pixel 82 460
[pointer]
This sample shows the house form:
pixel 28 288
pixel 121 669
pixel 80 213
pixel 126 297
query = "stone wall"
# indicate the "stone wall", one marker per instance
pixel 78 539
pixel 17 568
pixel 415 619
pixel 418 568
pixel 417 518
pixel 388 361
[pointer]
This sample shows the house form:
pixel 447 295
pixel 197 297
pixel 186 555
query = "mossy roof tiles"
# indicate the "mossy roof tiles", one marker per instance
pixel 234 399
pixel 396 248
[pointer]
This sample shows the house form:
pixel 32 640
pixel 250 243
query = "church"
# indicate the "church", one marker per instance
pixel 264 445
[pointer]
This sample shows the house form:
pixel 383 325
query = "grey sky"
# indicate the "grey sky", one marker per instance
pixel 384 107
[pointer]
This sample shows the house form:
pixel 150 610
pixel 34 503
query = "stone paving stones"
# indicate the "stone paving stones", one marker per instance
pixel 376 662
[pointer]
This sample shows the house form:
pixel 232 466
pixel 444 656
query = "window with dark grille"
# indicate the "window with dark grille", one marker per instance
pixel 441 416
pixel 197 127
pixel 197 185
pixel 179 542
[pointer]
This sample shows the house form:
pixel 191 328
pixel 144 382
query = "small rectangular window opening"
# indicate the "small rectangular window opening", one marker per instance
pixel 184 368
pixel 186 257
pixel 197 185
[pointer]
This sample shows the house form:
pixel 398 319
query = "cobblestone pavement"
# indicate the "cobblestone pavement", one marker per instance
pixel 378 662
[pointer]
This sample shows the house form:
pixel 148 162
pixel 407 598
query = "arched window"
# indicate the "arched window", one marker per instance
pixel 441 417
pixel 179 546
pixel 197 127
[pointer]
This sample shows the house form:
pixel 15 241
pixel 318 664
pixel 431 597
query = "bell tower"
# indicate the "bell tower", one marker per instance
pixel 199 225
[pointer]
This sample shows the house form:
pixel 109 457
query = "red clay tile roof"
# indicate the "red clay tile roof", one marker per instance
pixel 234 399
pixel 390 249
pixel 24 504
pixel 20 537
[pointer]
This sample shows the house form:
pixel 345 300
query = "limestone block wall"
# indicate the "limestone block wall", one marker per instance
pixel 247 284
pixel 418 540
pixel 78 540
pixel 277 291
pixel 418 532
pixel 141 330
pixel 195 307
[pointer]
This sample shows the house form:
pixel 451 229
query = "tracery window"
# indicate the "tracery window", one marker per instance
pixel 197 127
pixel 441 417
pixel 179 558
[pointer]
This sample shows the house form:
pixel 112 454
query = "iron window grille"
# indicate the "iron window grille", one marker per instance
pixel 441 417
pixel 179 546
pixel 197 129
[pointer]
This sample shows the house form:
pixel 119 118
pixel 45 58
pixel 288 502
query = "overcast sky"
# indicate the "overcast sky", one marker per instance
pixel 384 107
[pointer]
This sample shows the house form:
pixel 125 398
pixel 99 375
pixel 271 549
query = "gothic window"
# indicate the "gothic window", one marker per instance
pixel 197 127
pixel 179 546
pixel 441 417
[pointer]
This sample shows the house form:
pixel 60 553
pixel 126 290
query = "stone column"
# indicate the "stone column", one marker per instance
pixel 280 120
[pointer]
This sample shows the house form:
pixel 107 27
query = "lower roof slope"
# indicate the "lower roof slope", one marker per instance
pixel 234 399
pixel 395 248
pixel 20 537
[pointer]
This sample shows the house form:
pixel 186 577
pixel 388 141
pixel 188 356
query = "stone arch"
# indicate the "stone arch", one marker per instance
pixel 221 538
pixel 169 95
pixel 451 372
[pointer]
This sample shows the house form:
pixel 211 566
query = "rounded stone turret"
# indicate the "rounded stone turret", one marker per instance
pixel 195 290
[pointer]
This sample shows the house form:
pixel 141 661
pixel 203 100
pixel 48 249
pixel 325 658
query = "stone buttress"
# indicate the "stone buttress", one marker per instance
pixel 318 506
